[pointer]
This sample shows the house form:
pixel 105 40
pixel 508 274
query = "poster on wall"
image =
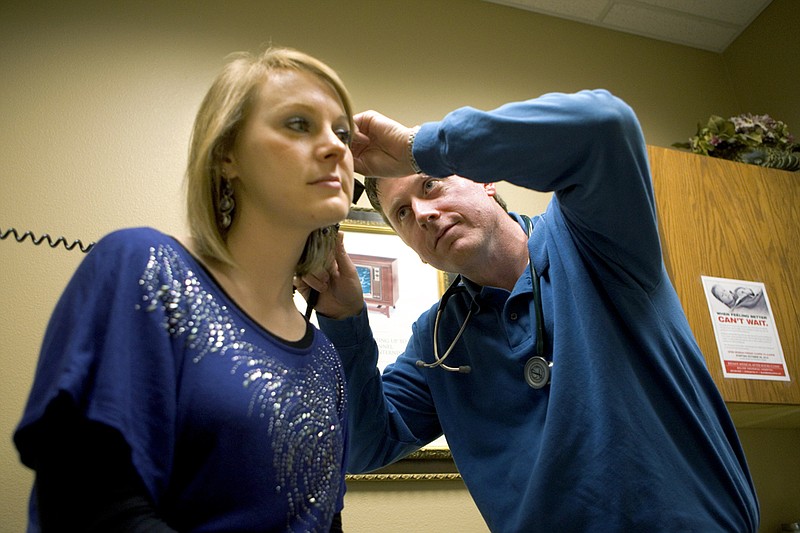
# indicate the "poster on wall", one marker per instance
pixel 744 327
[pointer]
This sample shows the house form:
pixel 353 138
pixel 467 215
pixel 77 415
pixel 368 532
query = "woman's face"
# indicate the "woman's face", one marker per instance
pixel 291 163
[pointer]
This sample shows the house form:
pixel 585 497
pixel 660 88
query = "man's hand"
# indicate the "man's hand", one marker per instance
pixel 380 146
pixel 340 294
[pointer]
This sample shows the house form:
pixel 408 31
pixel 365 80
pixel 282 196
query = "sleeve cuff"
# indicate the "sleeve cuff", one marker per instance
pixel 347 332
pixel 425 153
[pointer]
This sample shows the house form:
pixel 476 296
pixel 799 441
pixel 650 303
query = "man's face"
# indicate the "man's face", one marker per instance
pixel 447 221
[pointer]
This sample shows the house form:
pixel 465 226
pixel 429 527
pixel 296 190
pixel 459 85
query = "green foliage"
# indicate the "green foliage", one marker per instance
pixel 727 138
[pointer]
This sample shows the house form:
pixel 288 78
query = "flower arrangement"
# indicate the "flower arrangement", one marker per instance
pixel 755 139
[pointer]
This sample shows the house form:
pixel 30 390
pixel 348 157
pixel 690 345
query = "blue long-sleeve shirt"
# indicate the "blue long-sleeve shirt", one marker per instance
pixel 631 434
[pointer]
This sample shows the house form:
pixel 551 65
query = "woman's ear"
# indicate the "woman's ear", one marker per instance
pixel 228 167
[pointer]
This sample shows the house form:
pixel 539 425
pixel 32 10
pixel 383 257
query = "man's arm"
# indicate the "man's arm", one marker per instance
pixel 585 147
pixel 379 433
pixel 381 428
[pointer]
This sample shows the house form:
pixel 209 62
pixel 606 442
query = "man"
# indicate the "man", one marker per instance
pixel 577 398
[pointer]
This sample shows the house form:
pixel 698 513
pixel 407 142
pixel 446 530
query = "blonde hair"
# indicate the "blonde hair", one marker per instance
pixel 222 114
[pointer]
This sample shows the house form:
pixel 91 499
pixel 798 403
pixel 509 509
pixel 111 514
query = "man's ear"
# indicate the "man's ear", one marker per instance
pixel 490 189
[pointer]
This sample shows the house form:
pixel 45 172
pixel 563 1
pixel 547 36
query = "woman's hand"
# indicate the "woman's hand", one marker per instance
pixel 340 294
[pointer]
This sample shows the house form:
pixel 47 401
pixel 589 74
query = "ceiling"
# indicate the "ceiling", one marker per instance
pixel 706 24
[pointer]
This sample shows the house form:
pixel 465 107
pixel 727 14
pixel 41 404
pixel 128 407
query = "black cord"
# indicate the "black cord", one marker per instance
pixel 38 240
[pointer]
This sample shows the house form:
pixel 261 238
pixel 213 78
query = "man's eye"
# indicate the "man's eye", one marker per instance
pixel 401 213
pixel 298 124
pixel 430 184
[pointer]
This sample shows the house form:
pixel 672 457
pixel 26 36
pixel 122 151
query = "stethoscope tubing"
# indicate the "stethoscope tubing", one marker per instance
pixel 438 361
pixel 537 368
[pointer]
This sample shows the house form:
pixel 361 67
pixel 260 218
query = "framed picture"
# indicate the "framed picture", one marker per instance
pixel 427 464
pixel 396 284
pixel 397 288
pixel 445 280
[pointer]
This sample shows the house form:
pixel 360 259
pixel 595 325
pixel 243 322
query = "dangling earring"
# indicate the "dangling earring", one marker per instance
pixel 226 202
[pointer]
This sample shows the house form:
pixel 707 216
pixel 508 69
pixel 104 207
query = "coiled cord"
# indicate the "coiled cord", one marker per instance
pixel 4 234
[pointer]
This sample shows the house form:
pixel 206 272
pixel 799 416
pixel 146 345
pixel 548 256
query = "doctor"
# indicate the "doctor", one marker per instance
pixel 578 399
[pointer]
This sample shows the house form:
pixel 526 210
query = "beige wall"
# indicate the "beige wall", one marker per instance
pixel 97 101
pixel 763 65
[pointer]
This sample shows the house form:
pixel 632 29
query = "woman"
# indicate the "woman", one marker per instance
pixel 178 387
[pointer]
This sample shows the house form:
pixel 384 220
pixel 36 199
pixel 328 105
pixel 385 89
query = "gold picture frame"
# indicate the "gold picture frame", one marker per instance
pixel 370 221
pixel 433 462
pixel 426 464
pixel 398 285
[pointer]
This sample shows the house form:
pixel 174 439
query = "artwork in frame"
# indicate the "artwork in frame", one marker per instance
pixel 396 284
pixel 397 288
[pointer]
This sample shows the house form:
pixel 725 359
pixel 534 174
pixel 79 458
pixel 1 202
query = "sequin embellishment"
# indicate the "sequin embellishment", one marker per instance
pixel 302 406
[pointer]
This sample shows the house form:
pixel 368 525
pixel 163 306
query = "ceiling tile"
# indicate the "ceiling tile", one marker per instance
pixel 670 26
pixel 584 10
pixel 705 24
pixel 739 12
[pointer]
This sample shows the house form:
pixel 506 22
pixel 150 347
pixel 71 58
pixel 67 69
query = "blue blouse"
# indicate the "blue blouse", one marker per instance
pixel 231 428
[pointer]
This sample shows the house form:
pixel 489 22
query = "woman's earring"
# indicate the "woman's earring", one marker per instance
pixel 226 203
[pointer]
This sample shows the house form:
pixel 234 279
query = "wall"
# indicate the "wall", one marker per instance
pixel 98 98
pixel 762 65
pixel 761 68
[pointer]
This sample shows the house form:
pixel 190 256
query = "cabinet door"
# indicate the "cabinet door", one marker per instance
pixel 732 220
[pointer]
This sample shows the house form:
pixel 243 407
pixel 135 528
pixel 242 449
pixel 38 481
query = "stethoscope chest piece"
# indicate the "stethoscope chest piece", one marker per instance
pixel 537 372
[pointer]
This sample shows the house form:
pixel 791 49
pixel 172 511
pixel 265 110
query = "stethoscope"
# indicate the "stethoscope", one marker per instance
pixel 537 370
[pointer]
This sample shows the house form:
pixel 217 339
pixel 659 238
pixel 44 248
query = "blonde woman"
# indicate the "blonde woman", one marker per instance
pixel 178 387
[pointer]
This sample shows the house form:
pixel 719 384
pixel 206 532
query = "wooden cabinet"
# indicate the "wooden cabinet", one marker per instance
pixel 732 220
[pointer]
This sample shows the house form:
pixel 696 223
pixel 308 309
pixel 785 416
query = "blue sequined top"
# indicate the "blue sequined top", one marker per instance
pixel 228 425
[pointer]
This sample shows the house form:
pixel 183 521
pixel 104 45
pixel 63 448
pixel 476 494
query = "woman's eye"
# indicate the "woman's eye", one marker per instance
pixel 344 135
pixel 298 124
